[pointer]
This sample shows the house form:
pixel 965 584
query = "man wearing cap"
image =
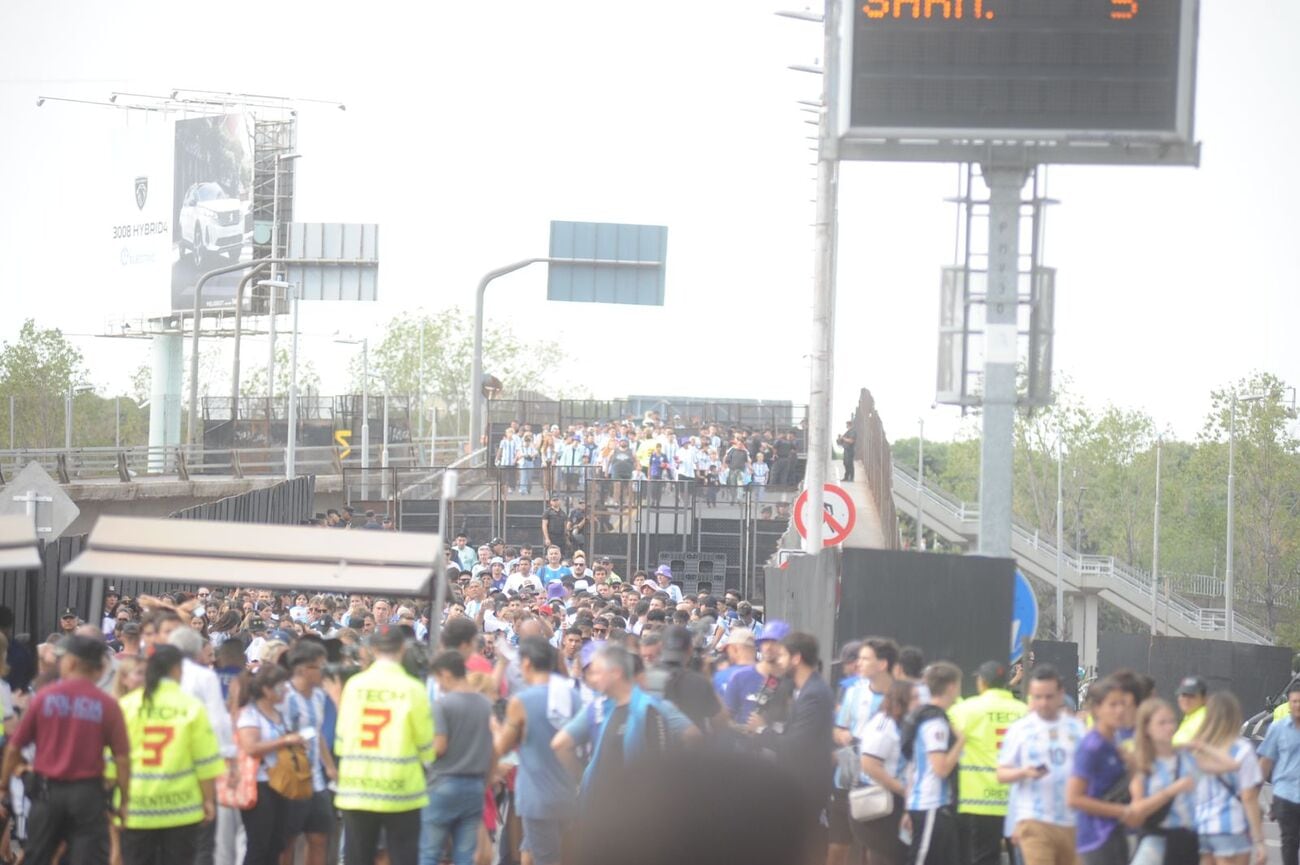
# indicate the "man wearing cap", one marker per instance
pixel 72 722
pixel 981 799
pixel 1191 702
pixel 664 577
pixel 68 621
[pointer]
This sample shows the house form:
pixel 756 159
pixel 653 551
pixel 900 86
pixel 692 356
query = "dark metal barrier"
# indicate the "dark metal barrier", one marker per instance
pixel 1252 673
pixel 633 522
pixel 956 608
pixel 285 503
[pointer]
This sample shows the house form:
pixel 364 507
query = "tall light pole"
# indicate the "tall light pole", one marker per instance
pixel 1060 541
pixel 1232 479
pixel 275 271
pixel 823 313
pixel 1155 546
pixel 73 390
pixel 1078 524
pixel 920 481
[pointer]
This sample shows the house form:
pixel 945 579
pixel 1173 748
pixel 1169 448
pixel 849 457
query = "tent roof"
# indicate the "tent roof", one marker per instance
pixel 307 558
pixel 19 550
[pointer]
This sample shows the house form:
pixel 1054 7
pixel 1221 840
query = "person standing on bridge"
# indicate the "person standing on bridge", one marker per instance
pixel 848 441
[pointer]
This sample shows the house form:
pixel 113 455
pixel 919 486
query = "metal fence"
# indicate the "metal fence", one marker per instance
pixel 877 458
pixel 632 522
pixel 681 413
pixel 49 421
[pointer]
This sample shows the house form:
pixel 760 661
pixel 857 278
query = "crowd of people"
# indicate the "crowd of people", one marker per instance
pixel 532 720
pixel 629 452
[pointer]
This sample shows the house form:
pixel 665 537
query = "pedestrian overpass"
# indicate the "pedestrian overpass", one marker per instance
pixel 1091 580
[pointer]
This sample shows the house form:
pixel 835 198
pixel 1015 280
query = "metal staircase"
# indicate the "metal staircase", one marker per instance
pixel 1124 587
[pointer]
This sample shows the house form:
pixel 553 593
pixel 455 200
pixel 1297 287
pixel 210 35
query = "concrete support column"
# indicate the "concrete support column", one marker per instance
pixel 165 398
pixel 1086 618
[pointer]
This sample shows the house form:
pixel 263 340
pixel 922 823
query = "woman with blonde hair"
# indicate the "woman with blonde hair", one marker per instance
pixel 1163 787
pixel 1227 804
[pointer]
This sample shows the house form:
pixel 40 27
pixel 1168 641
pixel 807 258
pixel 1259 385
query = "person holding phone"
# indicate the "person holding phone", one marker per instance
pixel 1036 757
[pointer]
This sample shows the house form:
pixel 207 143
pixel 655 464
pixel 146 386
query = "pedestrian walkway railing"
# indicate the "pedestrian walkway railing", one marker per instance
pixel 1133 583
pixel 186 462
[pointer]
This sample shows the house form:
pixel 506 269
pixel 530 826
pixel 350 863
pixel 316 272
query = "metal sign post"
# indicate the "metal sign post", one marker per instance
pixel 592 271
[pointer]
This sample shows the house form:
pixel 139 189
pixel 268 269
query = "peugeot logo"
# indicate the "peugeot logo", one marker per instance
pixel 141 191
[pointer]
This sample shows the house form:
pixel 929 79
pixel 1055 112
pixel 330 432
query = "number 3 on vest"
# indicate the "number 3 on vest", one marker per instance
pixel 372 728
pixel 156 740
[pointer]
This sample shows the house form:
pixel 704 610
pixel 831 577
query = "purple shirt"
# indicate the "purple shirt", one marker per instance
pixel 1098 762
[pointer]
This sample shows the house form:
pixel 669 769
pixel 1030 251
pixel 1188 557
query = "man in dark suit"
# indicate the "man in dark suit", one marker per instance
pixel 803 745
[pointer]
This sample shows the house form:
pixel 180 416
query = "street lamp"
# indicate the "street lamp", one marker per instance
pixel 1078 523
pixel 1232 454
pixel 73 390
pixel 275 270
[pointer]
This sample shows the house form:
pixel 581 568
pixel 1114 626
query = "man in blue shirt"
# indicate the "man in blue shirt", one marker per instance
pixel 1279 761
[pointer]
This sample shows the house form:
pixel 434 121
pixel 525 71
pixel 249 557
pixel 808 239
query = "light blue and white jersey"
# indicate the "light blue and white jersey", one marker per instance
pixel 926 791
pixel 1164 772
pixel 881 740
pixel 1031 742
pixel 859 705
pixel 1218 803
pixel 508 450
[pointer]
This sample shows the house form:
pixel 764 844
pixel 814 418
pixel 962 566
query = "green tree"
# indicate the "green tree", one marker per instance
pixel 254 379
pixel 1267 468
pixel 37 370
pixel 521 363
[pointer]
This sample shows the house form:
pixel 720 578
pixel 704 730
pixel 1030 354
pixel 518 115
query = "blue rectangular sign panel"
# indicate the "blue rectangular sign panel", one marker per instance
pixel 603 262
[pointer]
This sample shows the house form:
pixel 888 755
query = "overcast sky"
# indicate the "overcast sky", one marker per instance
pixel 470 125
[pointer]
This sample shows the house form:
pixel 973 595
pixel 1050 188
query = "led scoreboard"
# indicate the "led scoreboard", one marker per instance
pixel 1068 77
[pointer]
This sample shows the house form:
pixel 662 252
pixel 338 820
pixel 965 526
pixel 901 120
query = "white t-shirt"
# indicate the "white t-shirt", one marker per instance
pixel 880 739
pixel 1032 742
pixel 516 580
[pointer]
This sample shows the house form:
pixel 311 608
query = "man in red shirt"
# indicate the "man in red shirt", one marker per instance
pixel 71 721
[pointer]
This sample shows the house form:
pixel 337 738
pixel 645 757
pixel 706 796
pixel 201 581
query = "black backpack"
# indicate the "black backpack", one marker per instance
pixel 912 724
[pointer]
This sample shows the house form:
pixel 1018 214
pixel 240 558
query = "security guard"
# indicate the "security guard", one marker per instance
pixel 384 738
pixel 175 761
pixel 981 800
pixel 1191 702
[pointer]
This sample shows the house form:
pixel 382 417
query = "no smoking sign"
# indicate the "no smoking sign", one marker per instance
pixel 838 515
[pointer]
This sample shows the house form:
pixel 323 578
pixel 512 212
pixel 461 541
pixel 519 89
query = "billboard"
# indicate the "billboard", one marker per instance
pixel 180 204
pixel 211 218
pixel 139 206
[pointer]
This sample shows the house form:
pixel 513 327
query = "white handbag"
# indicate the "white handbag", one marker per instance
pixel 870 802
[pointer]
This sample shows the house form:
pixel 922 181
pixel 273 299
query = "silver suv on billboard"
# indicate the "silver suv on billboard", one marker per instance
pixel 211 222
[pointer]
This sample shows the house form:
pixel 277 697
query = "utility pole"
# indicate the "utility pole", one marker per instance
pixel 823 323
pixel 1155 546
pixel 1000 355
pixel 1060 542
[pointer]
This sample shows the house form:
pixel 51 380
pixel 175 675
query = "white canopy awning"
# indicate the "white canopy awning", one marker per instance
pixel 299 558
pixel 19 550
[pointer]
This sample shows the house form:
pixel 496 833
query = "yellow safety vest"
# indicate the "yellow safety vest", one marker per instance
pixel 383 738
pixel 1282 711
pixel 1190 727
pixel 984 720
pixel 173 749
